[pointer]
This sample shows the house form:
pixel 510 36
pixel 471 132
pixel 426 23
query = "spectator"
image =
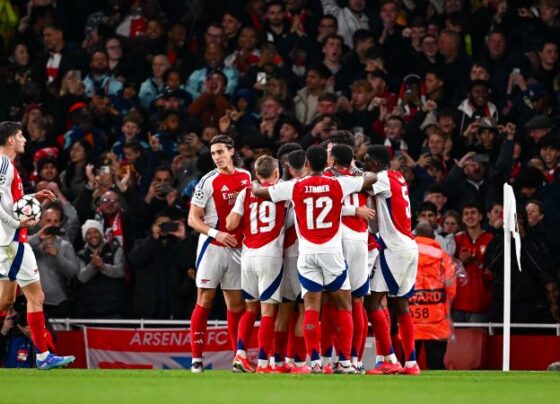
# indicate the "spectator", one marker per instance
pixel 306 99
pixel 349 19
pixel 57 263
pixel 428 214
pixel 474 299
pixel 164 264
pixel 153 85
pixel 98 81
pixel 101 292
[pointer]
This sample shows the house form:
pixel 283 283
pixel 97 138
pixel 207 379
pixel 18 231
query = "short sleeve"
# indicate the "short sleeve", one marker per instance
pixel 382 187
pixel 239 206
pixel 351 185
pixel 202 192
pixel 6 176
pixel 281 191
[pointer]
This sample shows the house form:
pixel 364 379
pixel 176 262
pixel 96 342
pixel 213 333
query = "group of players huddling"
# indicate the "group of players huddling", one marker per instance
pixel 271 242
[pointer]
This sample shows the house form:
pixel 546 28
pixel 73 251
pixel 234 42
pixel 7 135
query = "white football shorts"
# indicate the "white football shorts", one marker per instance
pixel 325 271
pixel 217 265
pixel 261 278
pixel 395 272
pixel 17 262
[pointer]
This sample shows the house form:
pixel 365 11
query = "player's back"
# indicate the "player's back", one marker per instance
pixel 263 226
pixel 353 227
pixel 393 211
pixel 318 205
pixel 216 193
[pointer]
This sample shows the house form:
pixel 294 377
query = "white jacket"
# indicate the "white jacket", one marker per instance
pixel 348 22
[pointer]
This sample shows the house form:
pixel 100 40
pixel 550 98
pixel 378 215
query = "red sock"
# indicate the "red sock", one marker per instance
pixel 233 319
pixel 406 326
pixel 345 328
pixel 328 328
pixel 301 350
pixel 245 330
pixel 39 334
pixel 365 334
pixel 312 333
pixel 382 332
pixel 280 342
pixel 199 321
pixel 358 320
pixel 266 336
pixel 291 348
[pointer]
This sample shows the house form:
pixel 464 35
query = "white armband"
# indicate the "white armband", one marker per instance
pixel 212 232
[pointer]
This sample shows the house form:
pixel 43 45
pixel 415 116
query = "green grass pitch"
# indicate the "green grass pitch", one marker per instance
pixel 147 386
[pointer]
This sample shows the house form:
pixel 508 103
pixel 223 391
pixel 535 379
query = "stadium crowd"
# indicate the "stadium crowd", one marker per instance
pixel 119 100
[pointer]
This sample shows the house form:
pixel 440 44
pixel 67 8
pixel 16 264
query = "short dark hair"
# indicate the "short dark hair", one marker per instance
pixel 342 154
pixel 470 205
pixel 296 159
pixel 321 70
pixel 223 139
pixel 424 229
pixel 380 154
pixel 164 168
pixel 332 36
pixel 133 144
pixel 287 148
pixel 428 206
pixel 8 129
pixel 331 97
pixel 317 157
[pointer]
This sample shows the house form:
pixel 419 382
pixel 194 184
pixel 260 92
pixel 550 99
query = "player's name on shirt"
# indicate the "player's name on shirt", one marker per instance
pixel 316 189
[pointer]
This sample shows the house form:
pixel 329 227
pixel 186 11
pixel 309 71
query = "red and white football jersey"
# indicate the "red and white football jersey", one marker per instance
pixel 11 190
pixel 353 227
pixel 291 241
pixel 318 205
pixel 393 211
pixel 263 225
pixel 216 193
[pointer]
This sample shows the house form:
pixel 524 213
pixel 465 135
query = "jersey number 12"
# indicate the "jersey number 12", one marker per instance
pixel 318 222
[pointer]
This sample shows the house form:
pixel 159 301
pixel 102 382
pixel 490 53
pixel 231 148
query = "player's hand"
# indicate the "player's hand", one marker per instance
pixel 27 223
pixel 45 194
pixel 365 213
pixel 226 239
pixel 191 273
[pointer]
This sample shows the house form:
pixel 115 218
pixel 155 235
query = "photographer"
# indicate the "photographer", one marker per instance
pixel 101 292
pixel 56 260
pixel 164 265
pixel 16 347
pixel 161 192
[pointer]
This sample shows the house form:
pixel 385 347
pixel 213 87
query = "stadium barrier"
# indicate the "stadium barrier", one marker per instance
pixel 473 345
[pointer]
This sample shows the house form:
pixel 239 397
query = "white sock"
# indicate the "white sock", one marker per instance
pixel 242 353
pixel 359 365
pixel 379 358
pixel 354 361
pixel 43 355
pixel 289 360
pixel 391 358
pixel 279 364
pixel 345 363
pixel 262 363
pixel 315 363
pixel 409 364
pixel 326 360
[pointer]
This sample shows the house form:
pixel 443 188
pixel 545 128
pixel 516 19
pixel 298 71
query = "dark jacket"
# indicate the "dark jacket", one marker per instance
pixel 162 287
pixel 101 293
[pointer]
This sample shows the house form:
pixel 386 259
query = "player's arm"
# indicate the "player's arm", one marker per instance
pixel 6 178
pixel 369 179
pixel 196 221
pixel 260 192
pixel 234 218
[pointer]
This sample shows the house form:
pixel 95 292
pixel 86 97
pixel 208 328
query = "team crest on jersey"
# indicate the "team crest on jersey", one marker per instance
pixel 244 182
pixel 3 179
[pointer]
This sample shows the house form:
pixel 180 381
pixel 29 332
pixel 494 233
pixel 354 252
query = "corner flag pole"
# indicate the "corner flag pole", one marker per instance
pixel 510 228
